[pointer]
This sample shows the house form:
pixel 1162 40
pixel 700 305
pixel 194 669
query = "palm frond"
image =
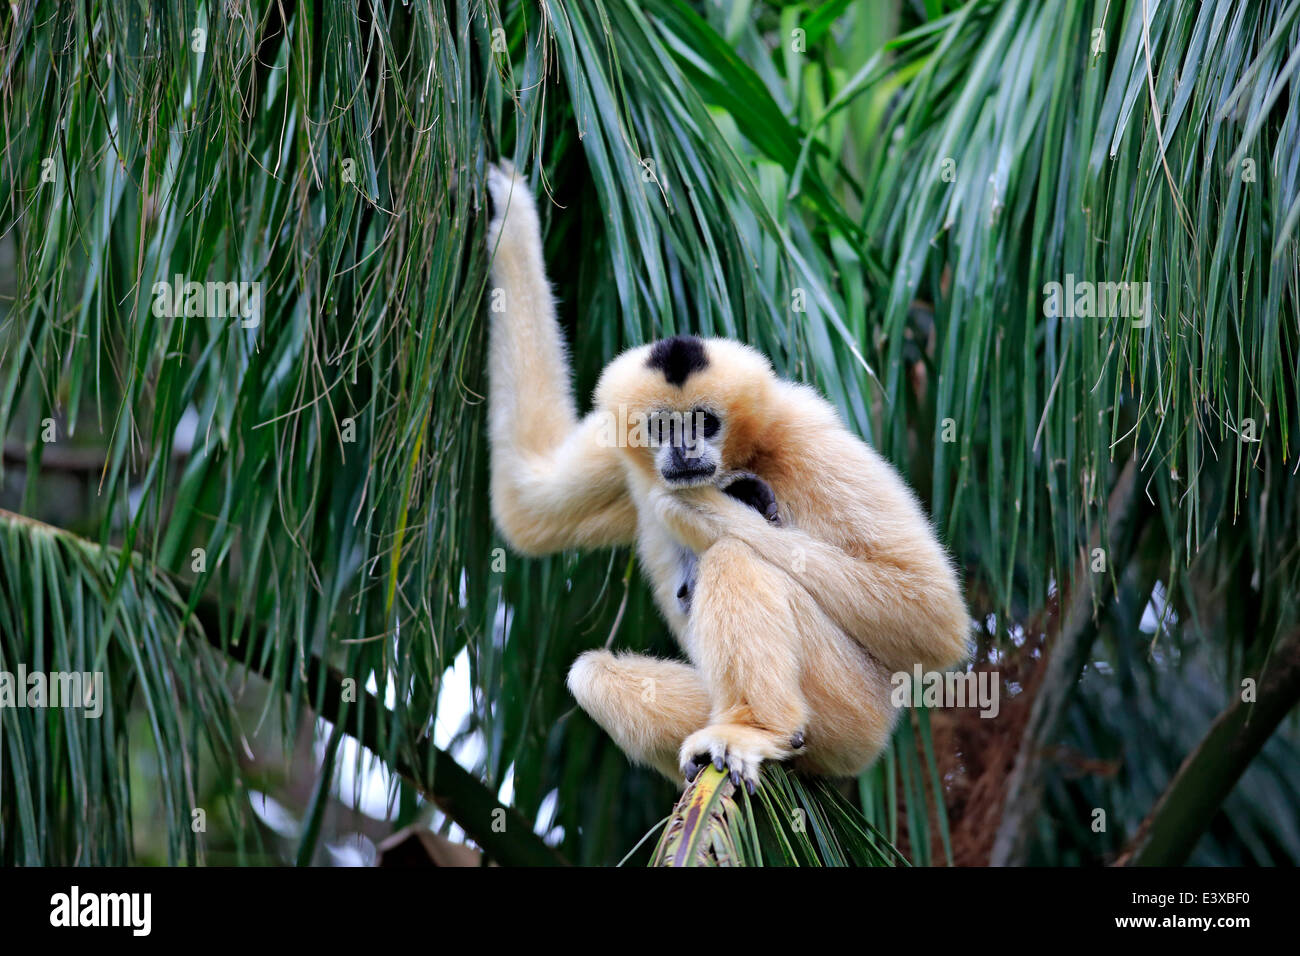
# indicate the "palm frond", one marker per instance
pixel 68 608
pixel 788 822
pixel 875 194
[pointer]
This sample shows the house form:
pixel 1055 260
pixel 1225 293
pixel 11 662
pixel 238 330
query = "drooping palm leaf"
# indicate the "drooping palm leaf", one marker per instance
pixel 65 790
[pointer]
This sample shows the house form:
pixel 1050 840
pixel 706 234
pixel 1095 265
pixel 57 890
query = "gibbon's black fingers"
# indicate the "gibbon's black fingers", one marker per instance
pixel 796 742
pixel 751 786
pixel 749 489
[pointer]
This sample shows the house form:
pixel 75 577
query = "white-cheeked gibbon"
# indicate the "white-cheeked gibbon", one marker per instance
pixel 795 568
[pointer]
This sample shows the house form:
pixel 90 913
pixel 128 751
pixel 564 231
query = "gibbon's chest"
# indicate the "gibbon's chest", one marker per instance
pixel 670 571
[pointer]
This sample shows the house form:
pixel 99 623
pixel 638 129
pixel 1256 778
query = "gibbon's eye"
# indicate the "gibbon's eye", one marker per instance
pixel 708 422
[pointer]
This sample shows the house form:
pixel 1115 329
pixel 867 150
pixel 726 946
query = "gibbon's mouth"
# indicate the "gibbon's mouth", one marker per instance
pixel 690 476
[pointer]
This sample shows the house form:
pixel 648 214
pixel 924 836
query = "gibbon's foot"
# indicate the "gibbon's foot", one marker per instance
pixel 749 489
pixel 736 749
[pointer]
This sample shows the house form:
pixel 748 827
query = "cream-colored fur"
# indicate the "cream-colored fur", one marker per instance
pixel 792 631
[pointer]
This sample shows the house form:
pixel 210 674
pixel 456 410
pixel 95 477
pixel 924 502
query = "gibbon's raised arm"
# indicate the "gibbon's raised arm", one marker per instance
pixel 902 605
pixel 554 485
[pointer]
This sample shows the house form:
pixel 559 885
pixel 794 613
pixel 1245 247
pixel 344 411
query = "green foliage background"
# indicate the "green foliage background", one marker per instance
pixel 769 171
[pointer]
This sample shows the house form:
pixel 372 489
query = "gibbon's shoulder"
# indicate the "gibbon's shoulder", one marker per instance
pixel 847 462
pixel 803 402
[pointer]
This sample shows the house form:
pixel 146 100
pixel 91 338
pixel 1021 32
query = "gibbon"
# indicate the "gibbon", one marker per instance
pixel 793 565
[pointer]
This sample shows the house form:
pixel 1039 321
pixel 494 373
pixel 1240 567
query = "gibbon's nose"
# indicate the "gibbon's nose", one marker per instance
pixel 685 462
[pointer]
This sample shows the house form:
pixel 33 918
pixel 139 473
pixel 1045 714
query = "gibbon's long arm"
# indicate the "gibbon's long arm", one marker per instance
pixel 903 606
pixel 554 485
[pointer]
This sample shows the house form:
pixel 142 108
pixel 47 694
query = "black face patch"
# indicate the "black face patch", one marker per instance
pixel 678 357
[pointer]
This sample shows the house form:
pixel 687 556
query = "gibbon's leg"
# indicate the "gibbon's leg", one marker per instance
pixel 904 607
pixel 647 705
pixel 744 637
pixel 555 485
pixel 848 693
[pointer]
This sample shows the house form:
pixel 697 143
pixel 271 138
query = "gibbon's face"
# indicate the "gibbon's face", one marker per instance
pixel 686 444
pixel 686 409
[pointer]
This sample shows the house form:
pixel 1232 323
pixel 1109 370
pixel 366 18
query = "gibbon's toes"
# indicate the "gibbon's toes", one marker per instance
pixel 743 769
pixel 797 741
pixel 691 769
pixel 738 750
pixel 691 766
pixel 700 749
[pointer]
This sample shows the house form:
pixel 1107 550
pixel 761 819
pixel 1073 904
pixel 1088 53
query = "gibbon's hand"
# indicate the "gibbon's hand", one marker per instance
pixel 698 516
pixel 749 489
pixel 514 222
